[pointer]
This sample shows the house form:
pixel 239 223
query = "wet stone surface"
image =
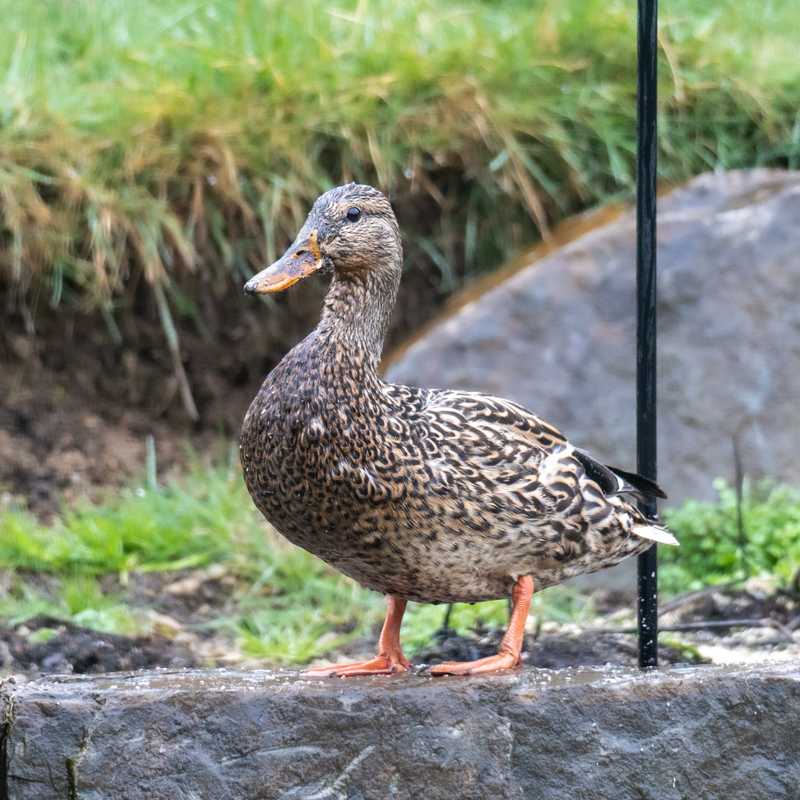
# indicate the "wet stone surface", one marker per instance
pixel 593 732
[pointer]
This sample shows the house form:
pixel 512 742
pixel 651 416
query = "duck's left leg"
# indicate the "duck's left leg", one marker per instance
pixel 508 655
pixel 390 658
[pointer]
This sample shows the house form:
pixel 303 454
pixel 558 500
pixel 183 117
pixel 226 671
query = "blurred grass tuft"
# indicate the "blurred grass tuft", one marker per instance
pixel 152 140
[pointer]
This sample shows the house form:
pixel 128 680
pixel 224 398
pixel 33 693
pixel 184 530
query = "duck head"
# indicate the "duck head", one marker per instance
pixel 350 231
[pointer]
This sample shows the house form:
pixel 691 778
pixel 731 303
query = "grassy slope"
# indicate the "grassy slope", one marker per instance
pixel 159 136
pixel 288 606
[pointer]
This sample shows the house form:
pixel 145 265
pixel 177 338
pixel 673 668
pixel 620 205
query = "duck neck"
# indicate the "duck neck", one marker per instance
pixel 358 309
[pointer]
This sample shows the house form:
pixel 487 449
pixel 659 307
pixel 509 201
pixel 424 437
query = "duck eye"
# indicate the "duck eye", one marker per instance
pixel 353 214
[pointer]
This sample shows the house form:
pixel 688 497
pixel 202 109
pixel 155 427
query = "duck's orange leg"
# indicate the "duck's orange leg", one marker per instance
pixel 390 658
pixel 508 655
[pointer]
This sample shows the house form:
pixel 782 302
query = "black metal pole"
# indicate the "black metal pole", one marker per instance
pixel 647 611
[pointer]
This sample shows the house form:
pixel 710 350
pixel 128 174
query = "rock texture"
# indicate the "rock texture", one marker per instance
pixel 217 735
pixel 559 336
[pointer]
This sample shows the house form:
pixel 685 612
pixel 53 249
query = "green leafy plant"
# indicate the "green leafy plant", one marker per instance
pixel 716 549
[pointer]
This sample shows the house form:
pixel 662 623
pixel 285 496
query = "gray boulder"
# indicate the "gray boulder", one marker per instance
pixel 559 335
pixel 220 735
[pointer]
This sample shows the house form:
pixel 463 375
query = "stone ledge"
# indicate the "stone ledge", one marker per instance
pixel 711 732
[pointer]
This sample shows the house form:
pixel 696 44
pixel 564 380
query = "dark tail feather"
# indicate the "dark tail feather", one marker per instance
pixel 643 485
pixel 617 481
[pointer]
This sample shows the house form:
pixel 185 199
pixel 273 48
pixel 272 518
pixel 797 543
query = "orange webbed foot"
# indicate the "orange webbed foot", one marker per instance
pixel 380 665
pixel 496 663
pixel 390 659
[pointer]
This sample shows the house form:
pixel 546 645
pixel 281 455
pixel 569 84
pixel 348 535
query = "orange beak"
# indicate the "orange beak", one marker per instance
pixel 298 262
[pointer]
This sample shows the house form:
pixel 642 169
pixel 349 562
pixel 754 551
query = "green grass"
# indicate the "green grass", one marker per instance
pixel 158 140
pixel 287 606
pixel 77 598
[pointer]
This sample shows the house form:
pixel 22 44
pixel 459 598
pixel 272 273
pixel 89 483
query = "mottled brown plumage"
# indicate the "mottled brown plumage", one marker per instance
pixel 423 494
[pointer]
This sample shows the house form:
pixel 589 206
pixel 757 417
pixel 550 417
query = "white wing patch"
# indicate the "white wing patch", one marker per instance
pixel 553 463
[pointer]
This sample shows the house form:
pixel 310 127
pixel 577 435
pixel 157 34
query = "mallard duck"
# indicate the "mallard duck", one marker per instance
pixel 422 494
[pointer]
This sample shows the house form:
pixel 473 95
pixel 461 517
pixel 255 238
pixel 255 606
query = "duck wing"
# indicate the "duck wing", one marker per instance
pixel 493 451
pixel 509 457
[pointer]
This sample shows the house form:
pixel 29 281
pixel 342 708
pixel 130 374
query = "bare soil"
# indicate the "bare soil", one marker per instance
pixel 80 395
pixel 73 649
pixel 77 405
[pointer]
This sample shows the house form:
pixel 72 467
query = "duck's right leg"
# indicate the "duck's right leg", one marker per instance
pixel 510 652
pixel 390 658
